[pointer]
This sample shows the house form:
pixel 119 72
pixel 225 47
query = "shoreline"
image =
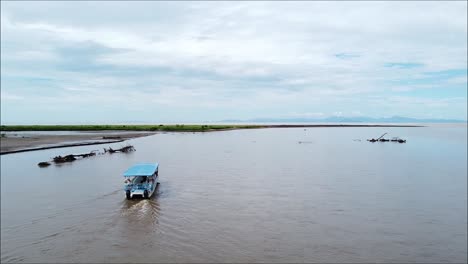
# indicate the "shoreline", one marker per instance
pixel 59 146
pixel 40 141
pixel 176 127
pixel 14 143
pixel 340 125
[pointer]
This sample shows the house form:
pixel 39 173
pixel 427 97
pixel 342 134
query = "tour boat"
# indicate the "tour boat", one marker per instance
pixel 141 180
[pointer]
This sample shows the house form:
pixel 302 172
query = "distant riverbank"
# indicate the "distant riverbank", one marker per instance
pixel 175 128
pixel 35 137
pixel 168 128
pixel 14 142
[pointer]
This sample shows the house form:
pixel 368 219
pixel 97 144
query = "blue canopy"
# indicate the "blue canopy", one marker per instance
pixel 145 169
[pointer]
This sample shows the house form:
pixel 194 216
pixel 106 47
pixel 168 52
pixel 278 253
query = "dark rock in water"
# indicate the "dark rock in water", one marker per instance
pixel 402 141
pixel 43 164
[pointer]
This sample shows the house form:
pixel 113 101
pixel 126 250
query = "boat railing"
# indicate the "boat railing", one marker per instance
pixel 140 186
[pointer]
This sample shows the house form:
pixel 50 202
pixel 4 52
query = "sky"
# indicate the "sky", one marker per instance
pixel 81 62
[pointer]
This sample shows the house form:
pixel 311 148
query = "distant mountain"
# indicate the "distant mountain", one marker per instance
pixel 339 119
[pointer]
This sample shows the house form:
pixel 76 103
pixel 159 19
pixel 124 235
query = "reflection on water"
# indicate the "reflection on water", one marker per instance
pixel 246 196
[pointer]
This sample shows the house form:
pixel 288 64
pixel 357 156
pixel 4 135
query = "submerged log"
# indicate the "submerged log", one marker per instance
pixel 92 153
pixel 399 140
pixel 381 139
pixel 73 157
pixel 125 149
pixel 67 158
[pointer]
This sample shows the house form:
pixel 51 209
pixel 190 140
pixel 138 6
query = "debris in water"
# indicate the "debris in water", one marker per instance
pixel 124 149
pixel 381 139
pixel 43 164
pixel 67 158
pixel 73 157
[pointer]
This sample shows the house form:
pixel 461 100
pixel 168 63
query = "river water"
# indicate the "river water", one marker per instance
pixel 246 196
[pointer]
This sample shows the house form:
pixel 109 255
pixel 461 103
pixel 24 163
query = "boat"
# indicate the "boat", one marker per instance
pixel 141 180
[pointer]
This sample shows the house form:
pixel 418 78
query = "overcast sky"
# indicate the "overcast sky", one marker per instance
pixel 107 62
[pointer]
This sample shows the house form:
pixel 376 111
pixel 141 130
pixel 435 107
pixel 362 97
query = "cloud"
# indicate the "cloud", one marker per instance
pixel 244 59
pixel 11 97
pixel 401 65
pixel 345 56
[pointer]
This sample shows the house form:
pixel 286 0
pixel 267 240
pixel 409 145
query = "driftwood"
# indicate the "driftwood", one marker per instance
pixel 381 136
pixel 73 157
pixel 124 149
pixel 399 140
pixel 67 158
pixel 92 153
pixel 381 139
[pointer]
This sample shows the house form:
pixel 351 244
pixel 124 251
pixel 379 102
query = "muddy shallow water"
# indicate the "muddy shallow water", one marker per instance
pixel 246 196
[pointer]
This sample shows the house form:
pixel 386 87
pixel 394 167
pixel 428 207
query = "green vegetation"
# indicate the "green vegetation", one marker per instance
pixel 171 128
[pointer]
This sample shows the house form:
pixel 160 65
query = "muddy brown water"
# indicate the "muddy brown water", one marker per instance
pixel 246 196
